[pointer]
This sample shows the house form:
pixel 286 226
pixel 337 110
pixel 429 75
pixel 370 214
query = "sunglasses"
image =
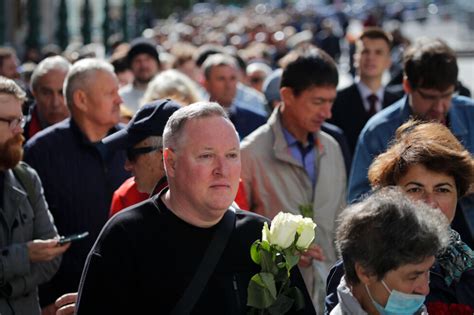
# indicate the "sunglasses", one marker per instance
pixel 133 153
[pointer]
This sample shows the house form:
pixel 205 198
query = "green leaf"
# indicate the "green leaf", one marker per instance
pixel 255 252
pixel 281 306
pixel 267 263
pixel 306 210
pixel 266 246
pixel 258 295
pixel 269 282
pixel 297 296
pixel 291 261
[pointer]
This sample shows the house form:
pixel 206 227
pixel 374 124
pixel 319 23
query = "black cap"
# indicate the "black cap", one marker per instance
pixel 142 46
pixel 149 120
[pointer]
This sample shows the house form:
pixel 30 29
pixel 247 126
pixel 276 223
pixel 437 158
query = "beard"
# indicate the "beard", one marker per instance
pixel 11 152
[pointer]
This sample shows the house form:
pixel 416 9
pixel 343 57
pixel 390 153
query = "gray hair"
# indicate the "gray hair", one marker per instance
pixel 46 65
pixel 217 60
pixel 80 75
pixel 8 86
pixel 388 230
pixel 154 141
pixel 172 84
pixel 175 124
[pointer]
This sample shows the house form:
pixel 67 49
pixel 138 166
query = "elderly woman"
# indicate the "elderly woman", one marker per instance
pixel 386 273
pixel 174 85
pixel 429 164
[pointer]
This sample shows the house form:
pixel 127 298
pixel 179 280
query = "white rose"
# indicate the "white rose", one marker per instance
pixel 266 233
pixel 306 233
pixel 283 229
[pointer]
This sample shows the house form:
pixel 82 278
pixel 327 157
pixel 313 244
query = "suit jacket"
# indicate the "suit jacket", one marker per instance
pixel 349 114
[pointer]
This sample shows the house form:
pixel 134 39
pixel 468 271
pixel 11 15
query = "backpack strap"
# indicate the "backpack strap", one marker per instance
pixel 212 255
pixel 21 173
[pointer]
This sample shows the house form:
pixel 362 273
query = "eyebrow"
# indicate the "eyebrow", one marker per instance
pixel 420 184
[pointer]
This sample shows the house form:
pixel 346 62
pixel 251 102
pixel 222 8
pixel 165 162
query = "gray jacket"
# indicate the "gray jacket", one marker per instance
pixel 21 222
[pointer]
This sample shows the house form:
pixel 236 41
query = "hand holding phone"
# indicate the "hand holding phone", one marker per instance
pixel 74 237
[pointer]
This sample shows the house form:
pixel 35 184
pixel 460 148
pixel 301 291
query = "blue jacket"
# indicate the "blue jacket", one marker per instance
pixel 79 178
pixel 379 131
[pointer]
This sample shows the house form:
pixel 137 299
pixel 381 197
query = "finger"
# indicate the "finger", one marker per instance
pixel 66 299
pixel 66 310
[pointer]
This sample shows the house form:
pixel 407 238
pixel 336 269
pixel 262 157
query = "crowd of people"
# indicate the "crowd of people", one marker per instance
pixel 206 131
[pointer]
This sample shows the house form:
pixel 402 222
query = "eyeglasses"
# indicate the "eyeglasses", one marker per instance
pixel 14 122
pixel 133 153
pixel 436 98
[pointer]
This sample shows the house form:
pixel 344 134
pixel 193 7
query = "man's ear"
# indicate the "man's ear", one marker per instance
pixel 80 99
pixel 406 86
pixel 364 276
pixel 169 159
pixel 287 96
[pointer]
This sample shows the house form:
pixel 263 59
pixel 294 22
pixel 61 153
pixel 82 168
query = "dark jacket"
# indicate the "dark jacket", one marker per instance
pixel 245 121
pixel 348 111
pixel 145 257
pixel 79 178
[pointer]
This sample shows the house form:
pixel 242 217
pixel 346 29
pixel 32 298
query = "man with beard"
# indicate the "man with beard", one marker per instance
pixel 29 251
pixel 78 173
pixel 143 60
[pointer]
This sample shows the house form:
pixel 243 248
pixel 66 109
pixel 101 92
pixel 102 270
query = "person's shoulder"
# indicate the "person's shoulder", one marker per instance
pixel 249 220
pixel 463 102
pixel 50 133
pixel 388 118
pixel 348 90
pixel 256 140
pixel 250 113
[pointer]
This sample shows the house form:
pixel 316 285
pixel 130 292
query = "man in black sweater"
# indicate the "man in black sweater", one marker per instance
pixel 146 257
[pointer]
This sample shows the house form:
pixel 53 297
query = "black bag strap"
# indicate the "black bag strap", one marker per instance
pixel 213 253
pixel 23 177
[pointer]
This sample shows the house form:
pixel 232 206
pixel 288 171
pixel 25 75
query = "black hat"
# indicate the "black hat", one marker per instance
pixel 149 120
pixel 141 46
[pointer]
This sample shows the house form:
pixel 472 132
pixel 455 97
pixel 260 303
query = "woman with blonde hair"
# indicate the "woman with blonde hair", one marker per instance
pixel 174 85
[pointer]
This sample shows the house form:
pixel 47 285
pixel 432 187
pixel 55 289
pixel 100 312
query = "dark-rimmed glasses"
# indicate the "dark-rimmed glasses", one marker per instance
pixel 133 153
pixel 14 123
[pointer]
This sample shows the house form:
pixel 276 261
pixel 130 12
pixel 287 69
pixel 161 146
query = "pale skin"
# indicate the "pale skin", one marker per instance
pixel 409 278
pixel 372 59
pixel 203 171
pixel 434 188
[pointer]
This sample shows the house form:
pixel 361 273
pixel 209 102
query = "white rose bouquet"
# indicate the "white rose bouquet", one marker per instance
pixel 269 292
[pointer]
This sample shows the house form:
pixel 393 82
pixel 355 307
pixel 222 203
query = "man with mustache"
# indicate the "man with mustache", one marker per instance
pixel 29 251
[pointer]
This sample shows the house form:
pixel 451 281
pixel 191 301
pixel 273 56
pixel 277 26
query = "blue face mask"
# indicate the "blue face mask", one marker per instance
pixel 399 303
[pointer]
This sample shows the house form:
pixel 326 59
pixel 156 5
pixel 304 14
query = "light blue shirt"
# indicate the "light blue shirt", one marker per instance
pixel 308 161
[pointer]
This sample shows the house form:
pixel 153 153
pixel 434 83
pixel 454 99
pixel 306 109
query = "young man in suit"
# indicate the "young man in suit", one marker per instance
pixel 355 104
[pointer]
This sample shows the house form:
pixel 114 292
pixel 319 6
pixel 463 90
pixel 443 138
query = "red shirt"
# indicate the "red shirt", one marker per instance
pixel 127 195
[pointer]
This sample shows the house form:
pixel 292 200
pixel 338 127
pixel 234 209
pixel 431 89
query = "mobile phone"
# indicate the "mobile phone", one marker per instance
pixel 74 237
